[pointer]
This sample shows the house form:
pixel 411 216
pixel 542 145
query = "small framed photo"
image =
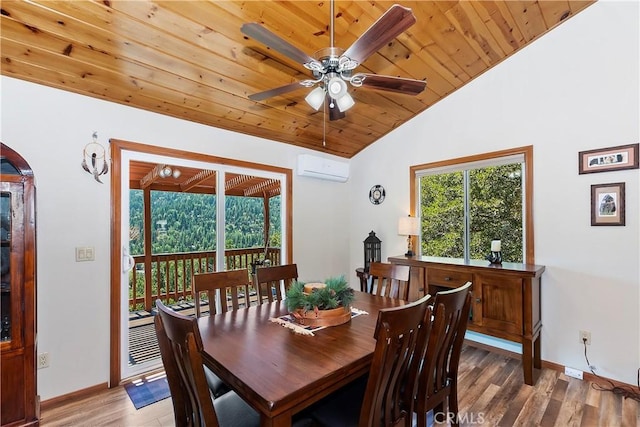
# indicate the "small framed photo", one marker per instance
pixel 608 159
pixel 607 204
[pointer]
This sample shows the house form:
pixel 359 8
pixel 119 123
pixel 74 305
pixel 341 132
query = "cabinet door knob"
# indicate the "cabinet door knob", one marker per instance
pixel 447 279
pixel 478 300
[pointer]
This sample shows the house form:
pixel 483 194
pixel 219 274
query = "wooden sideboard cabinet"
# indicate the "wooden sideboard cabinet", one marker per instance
pixel 506 298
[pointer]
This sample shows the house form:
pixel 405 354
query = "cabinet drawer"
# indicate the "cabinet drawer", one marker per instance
pixel 447 278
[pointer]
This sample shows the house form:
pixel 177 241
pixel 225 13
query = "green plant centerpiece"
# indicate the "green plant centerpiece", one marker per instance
pixel 320 304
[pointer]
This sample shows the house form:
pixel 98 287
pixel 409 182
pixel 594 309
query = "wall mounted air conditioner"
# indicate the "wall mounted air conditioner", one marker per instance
pixel 321 168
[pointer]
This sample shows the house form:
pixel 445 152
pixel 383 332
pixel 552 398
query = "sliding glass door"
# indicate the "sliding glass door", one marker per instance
pixel 180 217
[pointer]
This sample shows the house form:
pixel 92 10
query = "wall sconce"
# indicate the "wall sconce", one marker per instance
pixel 95 155
pixel 409 226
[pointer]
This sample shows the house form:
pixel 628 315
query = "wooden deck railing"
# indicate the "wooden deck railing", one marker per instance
pixel 168 276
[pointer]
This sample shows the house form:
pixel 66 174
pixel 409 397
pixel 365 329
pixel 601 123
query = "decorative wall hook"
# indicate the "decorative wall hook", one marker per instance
pixel 95 155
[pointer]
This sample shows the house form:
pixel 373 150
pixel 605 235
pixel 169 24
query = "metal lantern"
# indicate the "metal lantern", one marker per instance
pixel 372 250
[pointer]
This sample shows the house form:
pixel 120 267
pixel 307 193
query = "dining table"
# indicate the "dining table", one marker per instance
pixel 280 372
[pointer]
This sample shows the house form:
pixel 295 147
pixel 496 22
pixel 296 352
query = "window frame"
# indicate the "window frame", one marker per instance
pixel 526 151
pixel 122 151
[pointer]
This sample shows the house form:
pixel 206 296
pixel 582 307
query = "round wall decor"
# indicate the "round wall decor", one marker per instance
pixel 376 194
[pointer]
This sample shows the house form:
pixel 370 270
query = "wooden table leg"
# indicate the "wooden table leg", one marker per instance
pixel 282 420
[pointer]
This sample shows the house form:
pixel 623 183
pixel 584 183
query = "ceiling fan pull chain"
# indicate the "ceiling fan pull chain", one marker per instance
pixel 324 125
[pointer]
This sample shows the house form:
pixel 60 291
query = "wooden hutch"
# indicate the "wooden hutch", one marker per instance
pixel 19 403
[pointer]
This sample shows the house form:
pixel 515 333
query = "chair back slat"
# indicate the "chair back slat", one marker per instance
pixel 388 280
pixel 182 404
pixel 440 345
pixel 181 351
pixel 396 336
pixel 273 282
pixel 230 289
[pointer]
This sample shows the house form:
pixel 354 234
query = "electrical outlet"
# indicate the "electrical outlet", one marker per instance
pixel 585 335
pixel 43 360
pixel 574 373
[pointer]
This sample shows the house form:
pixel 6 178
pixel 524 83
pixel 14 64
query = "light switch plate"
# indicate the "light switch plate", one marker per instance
pixel 85 253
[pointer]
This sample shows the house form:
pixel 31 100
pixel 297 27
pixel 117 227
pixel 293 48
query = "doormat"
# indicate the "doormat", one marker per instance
pixel 148 390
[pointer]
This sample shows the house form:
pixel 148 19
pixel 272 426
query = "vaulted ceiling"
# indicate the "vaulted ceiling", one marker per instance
pixel 189 59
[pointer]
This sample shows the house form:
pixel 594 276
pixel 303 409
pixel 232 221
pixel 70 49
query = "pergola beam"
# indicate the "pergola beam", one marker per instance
pixel 198 178
pixel 151 177
pixel 264 186
pixel 237 181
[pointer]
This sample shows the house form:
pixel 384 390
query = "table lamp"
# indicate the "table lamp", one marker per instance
pixel 409 226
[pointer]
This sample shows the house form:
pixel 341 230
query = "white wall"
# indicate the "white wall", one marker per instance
pixel 569 91
pixel 50 128
pixel 575 89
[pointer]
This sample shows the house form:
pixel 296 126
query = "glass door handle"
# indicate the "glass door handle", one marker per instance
pixel 127 260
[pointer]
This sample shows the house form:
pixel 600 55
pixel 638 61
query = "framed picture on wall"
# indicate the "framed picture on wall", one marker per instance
pixel 607 204
pixel 608 159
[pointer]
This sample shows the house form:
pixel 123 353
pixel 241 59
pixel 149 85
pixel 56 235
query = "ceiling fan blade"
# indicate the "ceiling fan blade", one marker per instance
pixel 395 21
pixel 334 112
pixel 390 83
pixel 275 42
pixel 276 91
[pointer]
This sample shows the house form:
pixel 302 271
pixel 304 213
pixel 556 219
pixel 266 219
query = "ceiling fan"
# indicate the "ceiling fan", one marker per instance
pixel 333 67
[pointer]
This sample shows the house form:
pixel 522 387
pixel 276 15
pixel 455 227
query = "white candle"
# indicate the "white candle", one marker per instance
pixel 495 246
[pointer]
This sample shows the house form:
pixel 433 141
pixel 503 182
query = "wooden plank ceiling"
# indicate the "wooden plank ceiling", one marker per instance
pixel 188 59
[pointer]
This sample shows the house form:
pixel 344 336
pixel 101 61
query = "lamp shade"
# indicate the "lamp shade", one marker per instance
pixel 315 98
pixel 345 102
pixel 336 87
pixel 408 226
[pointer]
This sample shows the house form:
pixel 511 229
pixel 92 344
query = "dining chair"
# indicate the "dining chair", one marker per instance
pixel 379 398
pixel 234 286
pixel 388 280
pixel 269 281
pixel 181 352
pixel 436 366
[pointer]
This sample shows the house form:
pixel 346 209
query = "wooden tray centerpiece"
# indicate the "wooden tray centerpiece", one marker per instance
pixel 320 304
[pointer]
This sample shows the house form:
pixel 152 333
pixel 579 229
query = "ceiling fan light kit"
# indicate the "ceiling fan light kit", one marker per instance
pixel 332 66
pixel 315 98
pixel 345 102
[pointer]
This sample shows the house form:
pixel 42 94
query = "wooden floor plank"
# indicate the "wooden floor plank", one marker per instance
pixel 590 416
pixel 516 405
pixel 610 409
pixel 630 413
pixel 535 406
pixel 491 392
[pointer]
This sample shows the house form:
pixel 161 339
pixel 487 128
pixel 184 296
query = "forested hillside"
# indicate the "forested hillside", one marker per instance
pixel 495 212
pixel 187 222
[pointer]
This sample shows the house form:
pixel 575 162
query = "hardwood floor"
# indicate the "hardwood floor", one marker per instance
pixel 491 392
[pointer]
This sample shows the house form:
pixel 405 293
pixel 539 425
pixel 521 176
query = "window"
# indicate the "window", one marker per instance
pixel 465 203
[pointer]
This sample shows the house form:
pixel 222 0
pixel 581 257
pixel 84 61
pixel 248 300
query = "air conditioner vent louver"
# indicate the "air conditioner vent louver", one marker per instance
pixel 322 168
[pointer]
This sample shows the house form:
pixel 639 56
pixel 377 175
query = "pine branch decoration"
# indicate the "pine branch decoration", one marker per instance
pixel 336 294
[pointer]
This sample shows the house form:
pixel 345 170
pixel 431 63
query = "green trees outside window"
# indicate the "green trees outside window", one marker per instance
pixel 463 209
pixel 184 222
